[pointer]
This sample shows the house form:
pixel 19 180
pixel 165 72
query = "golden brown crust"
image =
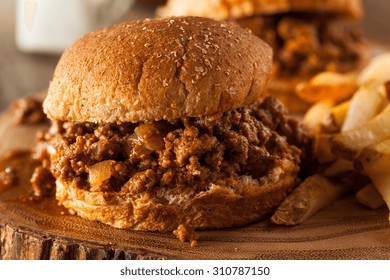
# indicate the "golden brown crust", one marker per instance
pixel 158 69
pixel 249 201
pixel 224 9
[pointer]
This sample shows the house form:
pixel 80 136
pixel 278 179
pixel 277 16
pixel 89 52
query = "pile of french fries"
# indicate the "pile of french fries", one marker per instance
pixel 350 120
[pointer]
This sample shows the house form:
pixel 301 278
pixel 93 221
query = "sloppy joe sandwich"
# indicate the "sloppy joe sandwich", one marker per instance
pixel 156 123
pixel 307 37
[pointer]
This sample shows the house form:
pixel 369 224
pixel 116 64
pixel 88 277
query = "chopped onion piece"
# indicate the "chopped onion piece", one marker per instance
pixel 100 172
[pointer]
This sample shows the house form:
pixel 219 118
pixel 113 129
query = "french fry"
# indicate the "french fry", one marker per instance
pixel 370 154
pixel 312 195
pixel 370 197
pixel 339 113
pixel 377 72
pixel 327 85
pixel 387 88
pixel 365 104
pixel 314 116
pixel 334 120
pixel 353 137
pixel 375 160
pixel 338 167
pixel 323 148
pixel 349 143
pixel 328 125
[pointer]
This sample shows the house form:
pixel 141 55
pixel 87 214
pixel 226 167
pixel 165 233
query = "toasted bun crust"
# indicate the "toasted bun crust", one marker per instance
pixel 218 207
pixel 224 9
pixel 158 69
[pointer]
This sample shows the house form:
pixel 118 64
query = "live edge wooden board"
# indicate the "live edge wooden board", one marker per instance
pixel 43 230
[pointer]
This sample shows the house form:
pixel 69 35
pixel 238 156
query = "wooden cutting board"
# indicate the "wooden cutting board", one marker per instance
pixel 43 230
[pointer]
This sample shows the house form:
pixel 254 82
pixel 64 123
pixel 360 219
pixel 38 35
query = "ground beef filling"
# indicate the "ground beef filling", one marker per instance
pixel 306 45
pixel 191 152
pixel 28 110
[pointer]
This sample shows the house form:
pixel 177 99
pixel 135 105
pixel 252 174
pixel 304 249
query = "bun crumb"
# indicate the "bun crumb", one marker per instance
pixel 185 233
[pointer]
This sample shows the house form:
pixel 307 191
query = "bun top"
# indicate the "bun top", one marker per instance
pixel 225 9
pixel 158 69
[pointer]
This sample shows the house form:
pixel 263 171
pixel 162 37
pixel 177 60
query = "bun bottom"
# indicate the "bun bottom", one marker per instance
pixel 247 201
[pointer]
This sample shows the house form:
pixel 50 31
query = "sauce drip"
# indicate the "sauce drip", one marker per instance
pixel 16 169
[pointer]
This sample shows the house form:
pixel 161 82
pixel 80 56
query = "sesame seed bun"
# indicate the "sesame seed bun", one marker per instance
pixel 158 69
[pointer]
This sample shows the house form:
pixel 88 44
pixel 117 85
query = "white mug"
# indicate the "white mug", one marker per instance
pixel 52 25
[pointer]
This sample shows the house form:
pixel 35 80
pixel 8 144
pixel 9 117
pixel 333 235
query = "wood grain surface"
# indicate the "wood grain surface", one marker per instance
pixel 43 230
